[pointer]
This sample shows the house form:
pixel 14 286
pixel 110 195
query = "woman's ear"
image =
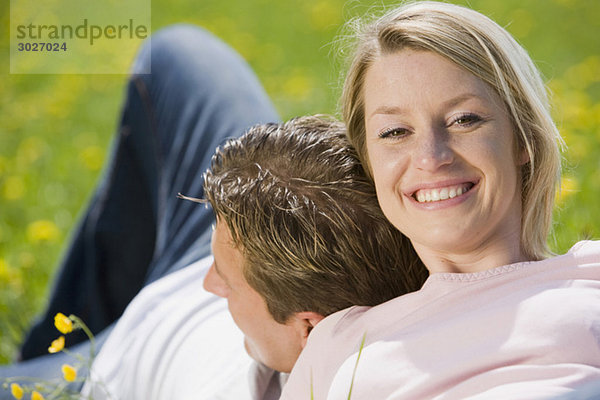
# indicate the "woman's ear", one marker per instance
pixel 522 155
pixel 305 321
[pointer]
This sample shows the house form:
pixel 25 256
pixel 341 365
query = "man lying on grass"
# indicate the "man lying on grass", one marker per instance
pixel 299 236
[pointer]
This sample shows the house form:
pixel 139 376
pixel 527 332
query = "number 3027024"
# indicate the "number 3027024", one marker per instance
pixel 41 46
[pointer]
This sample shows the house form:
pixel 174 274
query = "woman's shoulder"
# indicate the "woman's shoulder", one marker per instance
pixel 582 261
pixel 582 255
pixel 586 251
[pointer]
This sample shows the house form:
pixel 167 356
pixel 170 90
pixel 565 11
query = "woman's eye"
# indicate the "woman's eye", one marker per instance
pixel 393 133
pixel 466 120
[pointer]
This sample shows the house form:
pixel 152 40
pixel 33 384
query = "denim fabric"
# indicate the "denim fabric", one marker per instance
pixel 136 230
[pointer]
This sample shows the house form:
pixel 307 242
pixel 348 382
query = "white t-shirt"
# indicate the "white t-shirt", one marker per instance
pixel 520 331
pixel 174 341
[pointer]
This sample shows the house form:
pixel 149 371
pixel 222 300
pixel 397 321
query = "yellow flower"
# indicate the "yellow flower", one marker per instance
pixel 92 157
pixel 63 323
pixel 57 345
pixel 69 373
pixel 568 187
pixel 42 231
pixel 13 187
pixel 35 395
pixel 16 390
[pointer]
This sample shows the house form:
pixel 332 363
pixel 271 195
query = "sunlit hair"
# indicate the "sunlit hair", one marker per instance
pixel 306 219
pixel 480 46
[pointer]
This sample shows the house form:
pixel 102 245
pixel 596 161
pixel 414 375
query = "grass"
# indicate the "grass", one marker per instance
pixel 56 129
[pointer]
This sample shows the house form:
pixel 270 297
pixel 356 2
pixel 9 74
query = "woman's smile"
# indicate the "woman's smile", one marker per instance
pixel 440 191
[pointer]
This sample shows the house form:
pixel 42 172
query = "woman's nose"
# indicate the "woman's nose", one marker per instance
pixel 432 150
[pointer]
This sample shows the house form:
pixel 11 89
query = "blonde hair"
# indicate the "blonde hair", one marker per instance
pixel 480 46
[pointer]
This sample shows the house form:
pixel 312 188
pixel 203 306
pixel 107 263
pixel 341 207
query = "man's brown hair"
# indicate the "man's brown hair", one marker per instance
pixel 306 218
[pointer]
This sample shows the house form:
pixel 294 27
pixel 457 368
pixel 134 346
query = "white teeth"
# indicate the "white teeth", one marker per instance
pixel 444 194
pixel 429 195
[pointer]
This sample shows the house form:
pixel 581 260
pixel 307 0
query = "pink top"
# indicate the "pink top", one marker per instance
pixel 520 331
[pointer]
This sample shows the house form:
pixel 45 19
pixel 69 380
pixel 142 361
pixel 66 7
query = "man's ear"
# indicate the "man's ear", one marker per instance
pixel 306 321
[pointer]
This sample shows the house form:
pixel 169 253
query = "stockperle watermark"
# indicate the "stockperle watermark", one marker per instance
pixel 76 37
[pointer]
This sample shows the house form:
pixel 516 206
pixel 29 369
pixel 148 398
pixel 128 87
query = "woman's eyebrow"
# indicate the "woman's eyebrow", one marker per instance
pixel 397 110
pixel 461 99
pixel 387 110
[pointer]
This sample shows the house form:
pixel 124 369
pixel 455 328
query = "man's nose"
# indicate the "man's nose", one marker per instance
pixel 214 283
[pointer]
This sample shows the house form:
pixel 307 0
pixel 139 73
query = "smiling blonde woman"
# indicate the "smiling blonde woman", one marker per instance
pixel 451 119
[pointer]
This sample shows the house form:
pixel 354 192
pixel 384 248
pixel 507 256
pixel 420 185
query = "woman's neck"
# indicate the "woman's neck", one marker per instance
pixel 485 256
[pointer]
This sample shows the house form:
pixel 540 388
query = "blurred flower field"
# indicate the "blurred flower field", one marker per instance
pixel 55 130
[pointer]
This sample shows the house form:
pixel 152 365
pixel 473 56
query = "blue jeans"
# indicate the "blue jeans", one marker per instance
pixel 136 230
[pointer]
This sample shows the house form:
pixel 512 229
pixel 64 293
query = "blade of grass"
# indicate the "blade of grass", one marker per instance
pixel 362 345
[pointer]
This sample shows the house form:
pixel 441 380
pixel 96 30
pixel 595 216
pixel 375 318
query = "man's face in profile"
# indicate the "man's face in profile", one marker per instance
pixel 267 341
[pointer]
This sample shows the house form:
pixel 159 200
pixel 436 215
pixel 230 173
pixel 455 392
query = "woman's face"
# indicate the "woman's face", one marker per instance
pixel 441 150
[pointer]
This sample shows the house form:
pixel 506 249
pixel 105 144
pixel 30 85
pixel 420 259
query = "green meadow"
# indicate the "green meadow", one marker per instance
pixel 56 130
